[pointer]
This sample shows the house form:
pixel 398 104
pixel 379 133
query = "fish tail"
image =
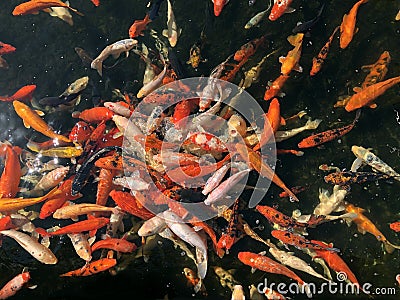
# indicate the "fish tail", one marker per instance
pixel 313 124
pixel 98 65
pixel 42 232
pixel 76 11
pixel 389 247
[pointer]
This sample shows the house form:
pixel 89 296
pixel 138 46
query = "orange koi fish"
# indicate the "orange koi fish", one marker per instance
pixel 14 204
pixel 291 61
pixel 272 121
pixel 266 264
pixel 94 267
pixel 366 96
pixel 335 262
pixel 78 227
pixel 395 226
pixel 14 285
pixel 6 48
pixel 218 6
pixel 32 119
pixel 138 26
pixel 377 71
pixel 96 2
pixel 80 132
pixel 276 217
pixel 119 245
pixel 75 210
pixel 94 115
pixel 10 178
pixel 6 223
pixel 248 49
pixel 104 186
pixel 274 89
pixel 299 241
pixel 195 281
pixel 34 6
pixel 128 203
pixel 322 55
pixel 348 25
pixel 326 136
pixel 365 225
pixel 262 168
pixel 23 94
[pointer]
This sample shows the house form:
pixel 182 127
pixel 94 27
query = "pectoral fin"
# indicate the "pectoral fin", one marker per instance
pixel 26 124
pixel 373 105
pixel 39 112
pixel 165 33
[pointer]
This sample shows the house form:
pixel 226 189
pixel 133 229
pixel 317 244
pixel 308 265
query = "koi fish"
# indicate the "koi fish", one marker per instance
pixel 95 2
pixel 291 61
pixel 14 285
pixel 377 71
pixel 280 7
pixel 51 179
pixel 256 19
pixel 219 6
pixel 262 168
pixel 23 94
pixel 138 26
pixel 366 96
pixel 365 156
pixel 72 211
pixel 299 241
pixel 288 259
pixel 14 204
pixel 80 132
pixel 81 245
pixel 335 262
pixel 395 226
pixel 276 217
pixel 62 13
pixel 327 136
pixel 94 115
pixel 128 203
pixel 78 227
pixel 322 55
pixel 10 178
pixel 273 89
pixel 284 135
pixel 345 178
pixel 120 245
pixel 172 32
pixel 365 225
pixel 76 87
pixel 32 119
pixel 34 6
pixel 115 50
pixel 329 203
pixel 248 49
pixel 195 56
pixel 266 264
pixel 33 247
pixel 153 84
pixel 226 277
pixel 62 152
pixel 348 25
pixel 6 48
pixel 93 267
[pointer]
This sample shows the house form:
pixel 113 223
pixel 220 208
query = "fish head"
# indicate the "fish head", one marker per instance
pixel 358 151
pixel 278 9
pixel 218 6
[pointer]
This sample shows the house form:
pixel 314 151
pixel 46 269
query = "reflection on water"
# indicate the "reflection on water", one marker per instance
pixel 46 57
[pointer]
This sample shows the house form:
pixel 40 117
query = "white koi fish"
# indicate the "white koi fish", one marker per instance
pixel 73 211
pixel 329 203
pixel 115 50
pixel 152 85
pixel 190 236
pixel 34 248
pixel 284 135
pixel 172 32
pixel 62 13
pixel 51 179
pixel 367 157
pixel 152 226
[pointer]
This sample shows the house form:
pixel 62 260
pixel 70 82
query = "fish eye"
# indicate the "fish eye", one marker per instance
pixel 370 158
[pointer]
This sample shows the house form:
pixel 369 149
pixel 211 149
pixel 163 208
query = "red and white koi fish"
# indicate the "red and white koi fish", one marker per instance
pixel 218 6
pixel 14 285
pixel 280 7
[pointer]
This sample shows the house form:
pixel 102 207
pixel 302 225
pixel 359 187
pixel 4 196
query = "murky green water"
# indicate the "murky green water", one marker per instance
pixel 45 56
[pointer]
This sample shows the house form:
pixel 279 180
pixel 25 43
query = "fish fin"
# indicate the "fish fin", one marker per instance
pixel 361 230
pixel 263 253
pixel 294 40
pixel 357 163
pixel 165 33
pixel 298 68
pixel 39 112
pixel 283 121
pixel 281 94
pixel 290 10
pixel 366 68
pixel 373 105
pixel 26 124
pixel 42 232
pixel 281 60
pixel 357 89
pixel 253 270
pixel 116 55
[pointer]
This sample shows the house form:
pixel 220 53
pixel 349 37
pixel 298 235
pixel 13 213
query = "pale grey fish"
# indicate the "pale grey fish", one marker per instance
pixel 374 161
pixel 152 85
pixel 215 179
pixel 76 87
pixel 34 248
pixel 62 13
pixel 118 109
pixel 256 19
pixel 330 203
pixel 115 50
pixel 134 184
pixel 288 259
pixel 152 226
pixel 172 32
pixel 284 135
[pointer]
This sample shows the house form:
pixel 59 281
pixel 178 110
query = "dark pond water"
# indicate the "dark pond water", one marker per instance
pixel 45 57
